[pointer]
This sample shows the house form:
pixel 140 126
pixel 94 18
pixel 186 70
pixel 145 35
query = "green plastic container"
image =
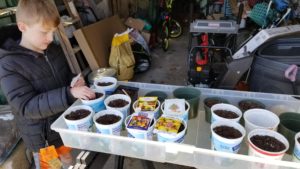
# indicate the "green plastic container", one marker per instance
pixel 289 125
pixel 191 95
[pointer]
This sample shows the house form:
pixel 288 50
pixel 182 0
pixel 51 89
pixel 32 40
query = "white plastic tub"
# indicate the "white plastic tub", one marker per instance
pixel 195 150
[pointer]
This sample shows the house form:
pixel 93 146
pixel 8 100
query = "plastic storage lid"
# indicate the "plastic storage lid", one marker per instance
pixel 102 72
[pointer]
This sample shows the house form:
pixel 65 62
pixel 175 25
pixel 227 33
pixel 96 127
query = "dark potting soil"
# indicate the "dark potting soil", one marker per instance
pixel 78 114
pixel 227 132
pixel 118 103
pixel 209 103
pixel 226 114
pixel 108 119
pixel 104 83
pixel 98 95
pixel 246 105
pixel 298 140
pixel 267 143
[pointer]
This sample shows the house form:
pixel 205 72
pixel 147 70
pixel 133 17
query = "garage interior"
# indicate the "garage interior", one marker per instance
pixel 86 31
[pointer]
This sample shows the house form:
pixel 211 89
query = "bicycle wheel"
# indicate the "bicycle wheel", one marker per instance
pixel 165 38
pixel 175 29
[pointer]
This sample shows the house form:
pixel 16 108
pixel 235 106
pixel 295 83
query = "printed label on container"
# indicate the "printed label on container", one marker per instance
pixel 224 147
pixel 297 154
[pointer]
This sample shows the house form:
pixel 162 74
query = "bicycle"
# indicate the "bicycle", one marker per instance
pixel 170 28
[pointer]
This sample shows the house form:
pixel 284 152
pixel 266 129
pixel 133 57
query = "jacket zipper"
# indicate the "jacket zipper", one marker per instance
pixel 51 67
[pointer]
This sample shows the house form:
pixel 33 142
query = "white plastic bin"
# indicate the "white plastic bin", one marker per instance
pixel 195 150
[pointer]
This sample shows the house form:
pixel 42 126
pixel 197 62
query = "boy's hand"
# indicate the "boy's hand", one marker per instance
pixel 82 92
pixel 78 81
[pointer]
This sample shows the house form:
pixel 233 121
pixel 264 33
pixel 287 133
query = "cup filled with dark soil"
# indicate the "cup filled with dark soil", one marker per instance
pixel 227 136
pixel 96 103
pixel 208 103
pixel 267 144
pixel 296 153
pixel 120 102
pixel 108 122
pixel 79 117
pixel 248 104
pixel 224 111
pixel 140 133
pixel 108 84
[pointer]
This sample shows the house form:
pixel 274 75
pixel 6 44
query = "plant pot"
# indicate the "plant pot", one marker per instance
pixel 81 124
pixel 108 88
pixel 96 104
pixel 208 103
pixel 289 126
pixel 111 128
pixel 228 109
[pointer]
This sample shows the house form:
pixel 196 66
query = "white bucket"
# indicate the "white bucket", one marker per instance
pixel 260 119
pixel 184 116
pixel 110 129
pixel 125 110
pixel 108 89
pixel 296 154
pixel 96 104
pixel 177 138
pixel 220 143
pixel 150 114
pixel 140 134
pixel 227 107
pixel 81 124
pixel 257 152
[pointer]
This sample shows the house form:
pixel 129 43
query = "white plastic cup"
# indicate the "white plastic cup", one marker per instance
pixel 260 119
pixel 228 107
pixel 97 104
pixel 125 110
pixel 110 129
pixel 220 143
pixel 140 134
pixel 258 152
pixel 108 89
pixel 151 114
pixel 82 124
pixel 177 138
pixel 296 154
pixel 184 116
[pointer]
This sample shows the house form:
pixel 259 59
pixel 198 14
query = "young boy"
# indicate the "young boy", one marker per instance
pixel 35 77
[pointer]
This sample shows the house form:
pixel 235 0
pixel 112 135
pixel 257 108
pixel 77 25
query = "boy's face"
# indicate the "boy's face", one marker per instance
pixel 37 36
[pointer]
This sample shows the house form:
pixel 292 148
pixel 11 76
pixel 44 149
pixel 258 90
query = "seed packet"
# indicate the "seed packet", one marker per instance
pixel 139 122
pixel 167 125
pixel 174 106
pixel 147 103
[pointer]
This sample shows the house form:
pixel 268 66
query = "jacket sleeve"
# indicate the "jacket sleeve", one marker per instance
pixel 28 103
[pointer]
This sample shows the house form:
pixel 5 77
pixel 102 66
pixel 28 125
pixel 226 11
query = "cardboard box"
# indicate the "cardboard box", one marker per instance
pixel 95 40
pixel 135 23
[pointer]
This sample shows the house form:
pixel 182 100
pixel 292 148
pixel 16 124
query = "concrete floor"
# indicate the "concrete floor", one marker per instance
pixel 167 68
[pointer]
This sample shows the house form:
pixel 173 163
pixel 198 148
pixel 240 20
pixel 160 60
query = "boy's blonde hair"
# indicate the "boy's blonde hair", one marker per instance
pixel 38 11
